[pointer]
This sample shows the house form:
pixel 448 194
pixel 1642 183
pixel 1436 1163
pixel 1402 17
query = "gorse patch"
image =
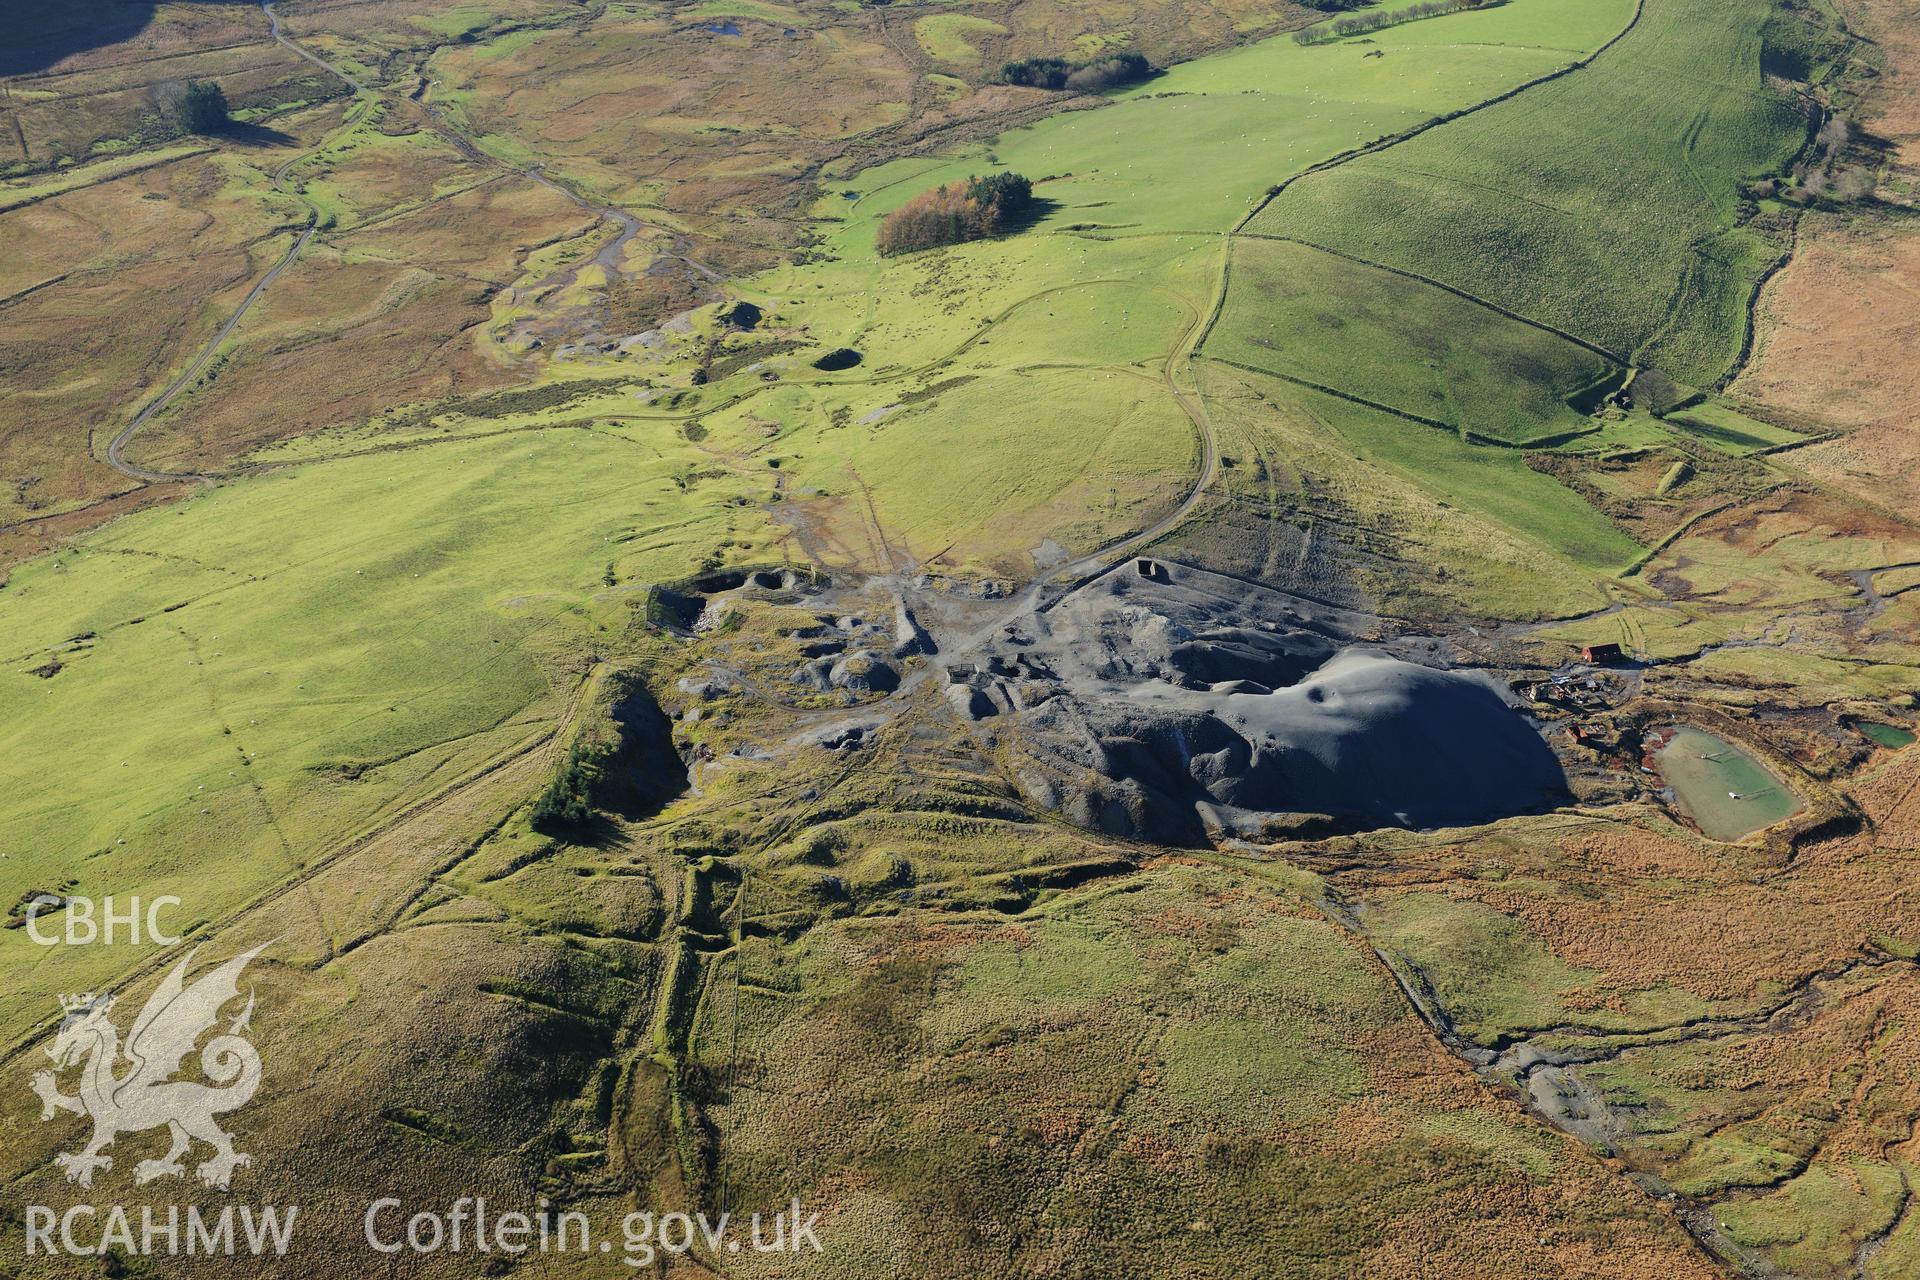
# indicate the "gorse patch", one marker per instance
pixel 956 212
pixel 1090 76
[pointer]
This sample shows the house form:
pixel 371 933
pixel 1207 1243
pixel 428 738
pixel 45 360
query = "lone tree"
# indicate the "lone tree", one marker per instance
pixel 203 106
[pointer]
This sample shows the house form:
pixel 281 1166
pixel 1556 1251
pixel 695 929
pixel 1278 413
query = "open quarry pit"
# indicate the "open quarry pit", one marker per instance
pixel 1160 702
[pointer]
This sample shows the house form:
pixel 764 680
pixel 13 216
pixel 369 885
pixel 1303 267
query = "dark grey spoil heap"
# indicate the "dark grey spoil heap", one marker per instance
pixel 1160 704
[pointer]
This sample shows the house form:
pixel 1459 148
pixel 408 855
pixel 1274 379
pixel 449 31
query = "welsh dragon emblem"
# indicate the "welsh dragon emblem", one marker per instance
pixel 145 1095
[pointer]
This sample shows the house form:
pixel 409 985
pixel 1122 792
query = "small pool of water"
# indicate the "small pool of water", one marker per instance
pixel 1726 792
pixel 1884 735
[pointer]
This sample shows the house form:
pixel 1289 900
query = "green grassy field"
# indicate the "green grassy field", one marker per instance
pixel 1498 982
pixel 1498 484
pixel 1726 428
pixel 955 37
pixel 1312 316
pixel 757 10
pixel 1192 150
pixel 1826 1213
pixel 1121 267
pixel 1298 505
pixel 15 192
pixel 1077 458
pixel 1629 235
pixel 454 22
pixel 308 647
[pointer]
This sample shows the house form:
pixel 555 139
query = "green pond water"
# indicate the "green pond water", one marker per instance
pixel 1726 792
pixel 1885 735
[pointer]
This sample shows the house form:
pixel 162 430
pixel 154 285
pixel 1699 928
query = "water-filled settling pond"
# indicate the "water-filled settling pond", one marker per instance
pixel 1891 736
pixel 1726 792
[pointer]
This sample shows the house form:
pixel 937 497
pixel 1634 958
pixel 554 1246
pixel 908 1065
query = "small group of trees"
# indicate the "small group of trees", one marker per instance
pixel 567 803
pixel 1090 76
pixel 955 213
pixel 1360 23
pixel 198 106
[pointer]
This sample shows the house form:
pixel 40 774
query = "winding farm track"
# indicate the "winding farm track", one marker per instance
pixel 608 257
pixel 1045 591
pixel 1055 584
pixel 273 24
pixel 116 449
pixel 1049 588
pixel 1098 562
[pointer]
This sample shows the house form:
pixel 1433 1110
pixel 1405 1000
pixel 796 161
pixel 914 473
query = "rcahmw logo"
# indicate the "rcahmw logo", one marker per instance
pixel 146 1095
pixel 149 1231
